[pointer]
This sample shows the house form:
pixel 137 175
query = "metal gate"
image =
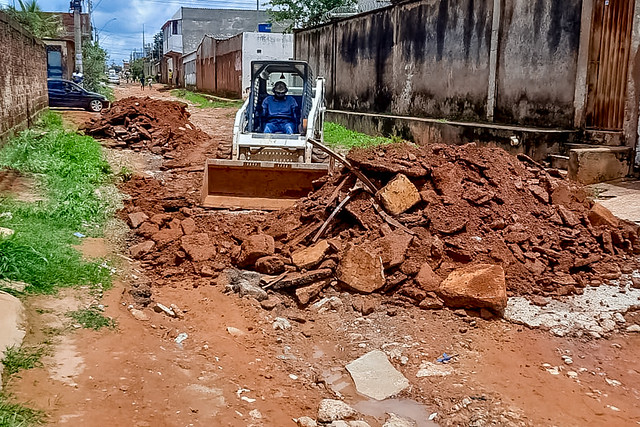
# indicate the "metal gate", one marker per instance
pixel 609 51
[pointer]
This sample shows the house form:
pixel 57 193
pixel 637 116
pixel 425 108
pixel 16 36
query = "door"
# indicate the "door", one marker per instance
pixel 54 64
pixel 56 93
pixel 609 52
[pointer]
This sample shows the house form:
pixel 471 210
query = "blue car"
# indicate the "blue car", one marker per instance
pixel 65 93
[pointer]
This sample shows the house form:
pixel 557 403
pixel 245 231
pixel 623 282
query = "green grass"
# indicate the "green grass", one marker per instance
pixel 15 415
pixel 336 135
pixel 71 171
pixel 92 318
pixel 19 358
pixel 203 102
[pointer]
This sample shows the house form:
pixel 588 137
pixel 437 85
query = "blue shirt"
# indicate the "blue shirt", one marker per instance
pixel 273 108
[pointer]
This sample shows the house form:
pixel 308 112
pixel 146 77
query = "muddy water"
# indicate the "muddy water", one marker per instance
pixel 342 384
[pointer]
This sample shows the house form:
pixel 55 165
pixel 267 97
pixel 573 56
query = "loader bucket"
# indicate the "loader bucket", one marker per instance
pixel 241 184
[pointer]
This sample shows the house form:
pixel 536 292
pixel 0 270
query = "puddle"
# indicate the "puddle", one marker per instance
pixel 340 382
pixel 405 408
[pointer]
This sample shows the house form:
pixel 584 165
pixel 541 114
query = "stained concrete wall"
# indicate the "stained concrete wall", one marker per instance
pixel 23 77
pixel 431 58
pixel 537 62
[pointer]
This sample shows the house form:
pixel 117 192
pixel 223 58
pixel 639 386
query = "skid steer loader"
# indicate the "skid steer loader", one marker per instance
pixel 270 171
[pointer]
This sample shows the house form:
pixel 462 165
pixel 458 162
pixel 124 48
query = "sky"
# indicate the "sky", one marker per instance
pixel 121 35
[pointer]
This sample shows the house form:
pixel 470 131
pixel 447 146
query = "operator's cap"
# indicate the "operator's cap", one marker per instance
pixel 280 88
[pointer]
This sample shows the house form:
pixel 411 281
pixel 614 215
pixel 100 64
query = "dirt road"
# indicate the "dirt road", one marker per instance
pixel 234 368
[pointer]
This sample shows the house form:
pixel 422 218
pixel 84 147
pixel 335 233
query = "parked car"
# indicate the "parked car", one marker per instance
pixel 65 93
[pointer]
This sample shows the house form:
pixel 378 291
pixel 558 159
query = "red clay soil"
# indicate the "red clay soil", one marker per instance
pixel 163 127
pixel 477 205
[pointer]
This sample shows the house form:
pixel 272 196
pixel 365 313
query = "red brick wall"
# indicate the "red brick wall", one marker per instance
pixel 23 77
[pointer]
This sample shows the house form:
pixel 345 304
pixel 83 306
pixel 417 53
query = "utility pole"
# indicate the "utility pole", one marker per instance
pixel 76 6
pixel 257 15
pixel 143 52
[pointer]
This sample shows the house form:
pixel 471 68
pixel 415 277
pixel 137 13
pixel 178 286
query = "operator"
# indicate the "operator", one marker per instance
pixel 280 111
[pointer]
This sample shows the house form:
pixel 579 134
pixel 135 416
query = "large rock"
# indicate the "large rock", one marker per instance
pixel 307 293
pixel 475 286
pixel 137 218
pixel 427 279
pixel 375 377
pixel 312 256
pixel 255 247
pixel 269 265
pixel 393 247
pixel 333 410
pixel 12 324
pixel 361 270
pixel 141 249
pixel 599 215
pixel 198 246
pixel 399 195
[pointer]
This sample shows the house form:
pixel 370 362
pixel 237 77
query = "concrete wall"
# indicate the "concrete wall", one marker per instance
pixel 433 58
pixel 537 62
pixel 23 77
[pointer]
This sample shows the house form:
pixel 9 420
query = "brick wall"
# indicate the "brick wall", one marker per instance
pixel 23 77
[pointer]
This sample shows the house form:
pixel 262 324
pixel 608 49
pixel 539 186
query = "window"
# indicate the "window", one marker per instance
pixel 174 27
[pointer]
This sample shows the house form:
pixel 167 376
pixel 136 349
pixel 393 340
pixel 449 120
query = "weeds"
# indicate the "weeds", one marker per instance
pixel 15 415
pixel 92 318
pixel 125 174
pixel 71 169
pixel 336 135
pixel 19 358
pixel 202 101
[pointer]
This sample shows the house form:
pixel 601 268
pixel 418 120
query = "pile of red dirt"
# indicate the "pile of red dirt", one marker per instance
pixel 473 205
pixel 157 125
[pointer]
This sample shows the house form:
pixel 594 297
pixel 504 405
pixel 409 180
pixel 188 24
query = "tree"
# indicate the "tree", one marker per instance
pixel 301 13
pixel 136 68
pixel 94 63
pixel 157 45
pixel 31 17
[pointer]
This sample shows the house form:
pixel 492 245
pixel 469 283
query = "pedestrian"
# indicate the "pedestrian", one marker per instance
pixel 149 81
pixel 170 77
pixel 142 80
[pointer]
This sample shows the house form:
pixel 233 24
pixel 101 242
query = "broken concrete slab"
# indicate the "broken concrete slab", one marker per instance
pixel 475 286
pixel 398 421
pixel 393 247
pixel 427 279
pixel 598 164
pixel 137 218
pixel 12 325
pixel 375 377
pixel 296 280
pixel 269 265
pixel 255 247
pixel 399 195
pixel 198 247
pixel 334 410
pixel 141 249
pixel 599 215
pixel 361 270
pixel 307 293
pixel 312 256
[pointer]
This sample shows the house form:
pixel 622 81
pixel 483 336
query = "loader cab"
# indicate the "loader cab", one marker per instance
pixel 265 74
